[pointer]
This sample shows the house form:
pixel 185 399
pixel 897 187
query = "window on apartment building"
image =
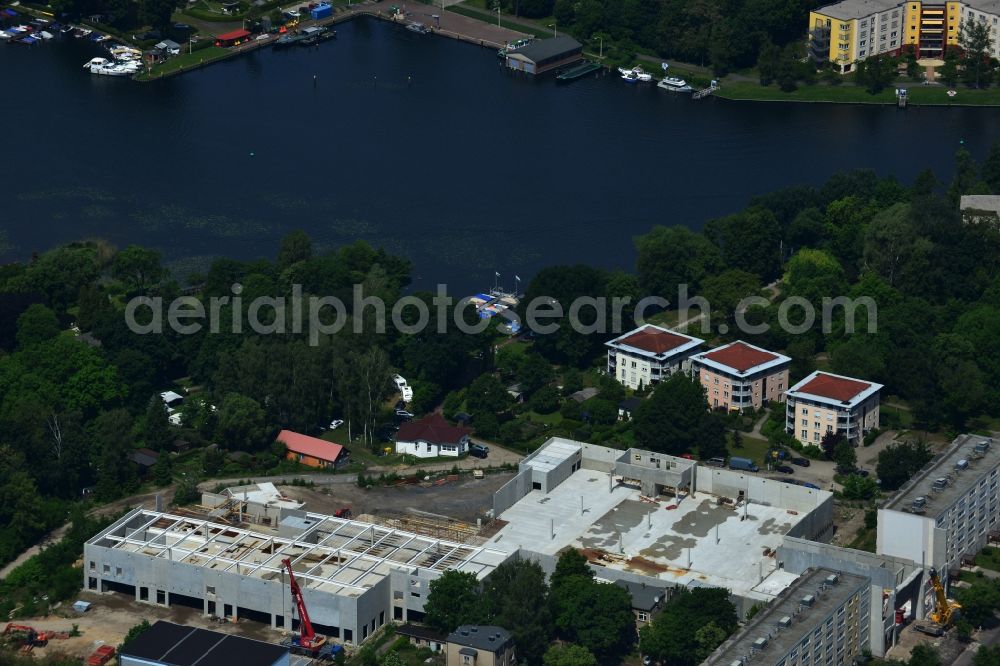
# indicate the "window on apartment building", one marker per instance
pixel 883 27
pixel 816 424
pixel 805 422
pixel 829 417
pixel 863 42
pixel 804 435
pixel 844 26
pixel 893 34
pixel 107 568
pixel 210 589
pixel 815 436
pixel 118 571
pixel 93 566
pixel 725 394
pixel 829 428
pixel 893 43
pixel 643 617
pixel 633 364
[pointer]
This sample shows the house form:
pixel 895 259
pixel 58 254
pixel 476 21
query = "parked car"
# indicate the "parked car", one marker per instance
pixel 336 423
pixel 478 450
pixel 929 628
pixel 861 472
pixel 716 462
pixel 784 469
pixel 810 485
pixel 801 462
pixel 403 414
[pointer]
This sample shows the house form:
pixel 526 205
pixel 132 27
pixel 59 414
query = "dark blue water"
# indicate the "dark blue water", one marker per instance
pixel 417 143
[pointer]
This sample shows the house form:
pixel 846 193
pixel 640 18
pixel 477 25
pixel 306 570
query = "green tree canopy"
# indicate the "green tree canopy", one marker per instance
pixel 560 654
pixel 36 324
pixel 453 601
pixel 691 626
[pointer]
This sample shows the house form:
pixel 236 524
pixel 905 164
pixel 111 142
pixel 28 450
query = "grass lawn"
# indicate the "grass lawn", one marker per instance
pixel 848 93
pixel 184 61
pixel 551 419
pixel 896 415
pixel 989 558
pixel 472 12
pixel 668 318
pixel 753 448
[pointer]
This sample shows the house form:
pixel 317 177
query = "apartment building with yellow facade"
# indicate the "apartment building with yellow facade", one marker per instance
pixel 848 32
pixel 741 376
pixel 824 402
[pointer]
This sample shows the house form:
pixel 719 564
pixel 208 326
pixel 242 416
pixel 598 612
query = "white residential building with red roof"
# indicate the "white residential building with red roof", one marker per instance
pixel 741 376
pixel 432 436
pixel 649 354
pixel 824 402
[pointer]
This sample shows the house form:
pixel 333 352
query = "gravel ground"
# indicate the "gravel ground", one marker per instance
pixel 466 499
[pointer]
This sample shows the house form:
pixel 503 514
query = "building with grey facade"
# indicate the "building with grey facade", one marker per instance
pixel 820 620
pixel 354 576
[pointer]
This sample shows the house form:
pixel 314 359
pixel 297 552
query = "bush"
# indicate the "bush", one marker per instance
pixel 545 400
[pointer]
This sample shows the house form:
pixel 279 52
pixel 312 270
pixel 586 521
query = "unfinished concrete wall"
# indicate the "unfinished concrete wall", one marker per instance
pixel 599 458
pixel 729 483
pixel 511 492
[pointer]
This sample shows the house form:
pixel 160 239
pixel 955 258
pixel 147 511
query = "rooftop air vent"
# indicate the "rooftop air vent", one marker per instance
pixel 785 622
pixel 962 465
pixel 760 643
pixel 919 502
pixel 832 579
pixel 808 600
pixel 474 630
pixel 982 447
pixel 940 483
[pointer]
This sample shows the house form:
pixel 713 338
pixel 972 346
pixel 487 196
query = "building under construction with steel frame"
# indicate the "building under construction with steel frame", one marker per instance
pixel 355 576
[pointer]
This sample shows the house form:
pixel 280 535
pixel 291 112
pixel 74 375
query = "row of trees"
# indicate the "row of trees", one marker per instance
pixel 592 621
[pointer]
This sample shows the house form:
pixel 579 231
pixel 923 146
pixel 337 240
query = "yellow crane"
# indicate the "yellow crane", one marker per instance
pixel 947 610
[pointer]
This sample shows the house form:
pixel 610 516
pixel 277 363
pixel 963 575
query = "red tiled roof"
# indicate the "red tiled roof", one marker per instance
pixel 654 340
pixel 740 356
pixel 434 429
pixel 835 388
pixel 310 446
pixel 234 34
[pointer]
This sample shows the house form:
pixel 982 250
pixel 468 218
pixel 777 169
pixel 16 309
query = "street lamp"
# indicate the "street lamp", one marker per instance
pixel 555 27
pixel 601 55
pixel 190 45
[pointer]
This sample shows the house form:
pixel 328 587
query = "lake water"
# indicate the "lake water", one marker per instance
pixel 418 143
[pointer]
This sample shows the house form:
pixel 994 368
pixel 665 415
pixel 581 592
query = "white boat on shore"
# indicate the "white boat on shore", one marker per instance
pixel 46 35
pixel 418 28
pixel 106 67
pixel 674 84
pixel 636 74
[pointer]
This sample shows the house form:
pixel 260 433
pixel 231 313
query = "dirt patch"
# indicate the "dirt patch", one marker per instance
pixel 465 499
pixel 113 614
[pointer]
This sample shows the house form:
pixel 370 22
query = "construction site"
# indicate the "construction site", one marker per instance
pixel 645 516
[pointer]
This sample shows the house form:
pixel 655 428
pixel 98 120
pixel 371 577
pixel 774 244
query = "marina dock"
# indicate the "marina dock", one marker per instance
pixel 579 71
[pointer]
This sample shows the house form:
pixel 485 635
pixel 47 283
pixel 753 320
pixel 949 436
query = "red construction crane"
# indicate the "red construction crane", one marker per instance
pixel 308 639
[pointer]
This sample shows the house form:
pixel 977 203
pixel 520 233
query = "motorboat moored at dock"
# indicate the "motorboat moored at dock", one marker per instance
pixel 674 84
pixel 636 74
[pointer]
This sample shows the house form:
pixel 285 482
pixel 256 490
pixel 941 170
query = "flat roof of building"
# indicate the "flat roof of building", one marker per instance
pixel 836 390
pixel 655 341
pixel 981 202
pixel 545 49
pixel 615 527
pixel 333 555
pixel 740 358
pixel 959 483
pixel 856 9
pixel 803 619
pixel 178 645
pixel 555 451
pixel 480 636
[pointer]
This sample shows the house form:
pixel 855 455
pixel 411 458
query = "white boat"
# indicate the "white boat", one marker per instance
pixel 636 74
pixel 46 35
pixel 107 67
pixel 674 84
pixel 416 27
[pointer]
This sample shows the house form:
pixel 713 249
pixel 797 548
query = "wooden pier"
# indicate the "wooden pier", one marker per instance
pixel 705 92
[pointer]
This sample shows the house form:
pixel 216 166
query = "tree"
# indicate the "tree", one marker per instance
pixel 295 247
pixel 568 655
pixel 976 41
pixel 845 457
pixel 36 324
pixel 672 256
pixel 605 634
pixel 157 13
pixel 724 293
pixel 898 462
pixel 156 427
pixel 924 655
pixel 392 658
pixel 991 168
pixel 980 601
pixel 111 437
pixel 987 655
pixel 515 597
pixel 767 62
pixel 545 400
pixel 831 440
pixel 678 635
pixel 453 601
pixel 570 563
pixel 486 395
pixel 858 487
pixel 163 472
pixel 134 633
pixel 966 179
pixel 673 420
pixel 241 423
pixel 949 70
pixel 139 268
pixel 876 73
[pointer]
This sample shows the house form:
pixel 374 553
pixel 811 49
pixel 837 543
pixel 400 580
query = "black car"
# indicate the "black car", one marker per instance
pixel 784 469
pixel 801 462
pixel 478 450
